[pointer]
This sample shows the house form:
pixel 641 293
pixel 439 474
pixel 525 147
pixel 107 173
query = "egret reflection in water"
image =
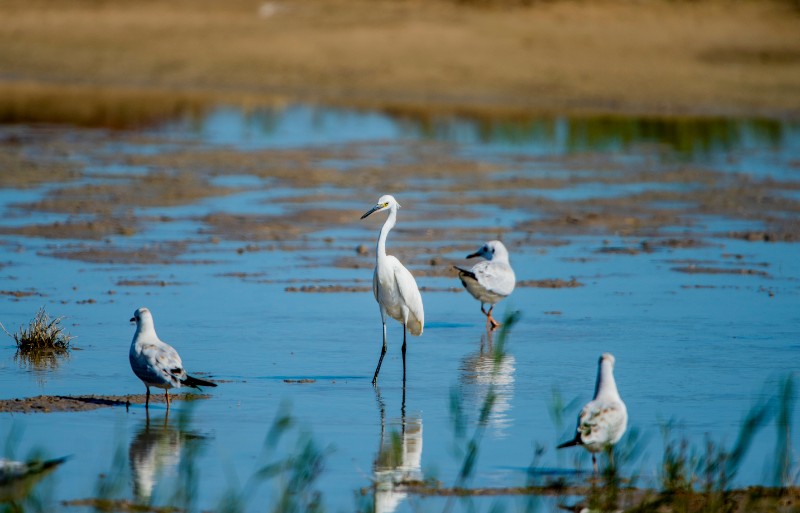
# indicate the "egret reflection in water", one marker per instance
pixel 155 452
pixel 483 370
pixel 399 458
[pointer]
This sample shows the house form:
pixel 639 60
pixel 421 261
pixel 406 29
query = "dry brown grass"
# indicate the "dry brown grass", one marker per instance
pixel 42 334
pixel 656 57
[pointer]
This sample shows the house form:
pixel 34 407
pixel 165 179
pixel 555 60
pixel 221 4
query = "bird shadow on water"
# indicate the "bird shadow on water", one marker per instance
pixel 160 448
pixel 484 371
pixel 160 466
pixel 399 458
pixel 156 451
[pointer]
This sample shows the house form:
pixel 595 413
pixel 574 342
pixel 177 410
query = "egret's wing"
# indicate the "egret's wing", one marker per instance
pixel 409 293
pixel 375 284
pixel 599 421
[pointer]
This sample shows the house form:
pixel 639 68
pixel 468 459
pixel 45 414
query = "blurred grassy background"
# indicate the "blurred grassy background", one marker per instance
pixel 95 60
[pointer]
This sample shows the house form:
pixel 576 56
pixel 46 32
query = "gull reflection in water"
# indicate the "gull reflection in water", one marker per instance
pixel 399 458
pixel 154 453
pixel 479 372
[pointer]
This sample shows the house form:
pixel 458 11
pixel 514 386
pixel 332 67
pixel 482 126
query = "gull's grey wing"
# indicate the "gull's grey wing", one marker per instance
pixel 601 421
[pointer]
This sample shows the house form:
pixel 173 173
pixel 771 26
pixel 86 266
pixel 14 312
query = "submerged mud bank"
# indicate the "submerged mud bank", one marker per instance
pixel 61 403
pixel 662 199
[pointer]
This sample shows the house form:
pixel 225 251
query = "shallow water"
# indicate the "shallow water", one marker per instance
pixel 695 349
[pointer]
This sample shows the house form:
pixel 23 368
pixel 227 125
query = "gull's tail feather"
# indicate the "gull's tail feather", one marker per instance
pixel 197 382
pixel 571 443
pixel 54 462
pixel 37 467
pixel 465 275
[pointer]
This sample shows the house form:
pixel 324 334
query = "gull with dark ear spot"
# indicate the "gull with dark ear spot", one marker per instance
pixel 394 286
pixel 490 280
pixel 603 420
pixel 155 362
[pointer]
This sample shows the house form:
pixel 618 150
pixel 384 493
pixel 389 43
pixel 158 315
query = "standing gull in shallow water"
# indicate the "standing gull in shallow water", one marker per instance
pixel 490 280
pixel 393 285
pixel 155 362
pixel 603 420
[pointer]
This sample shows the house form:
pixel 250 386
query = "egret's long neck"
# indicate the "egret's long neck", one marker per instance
pixel 388 225
pixel 606 386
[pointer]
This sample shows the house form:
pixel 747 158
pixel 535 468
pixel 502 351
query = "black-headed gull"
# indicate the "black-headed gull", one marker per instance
pixel 490 280
pixel 603 420
pixel 155 362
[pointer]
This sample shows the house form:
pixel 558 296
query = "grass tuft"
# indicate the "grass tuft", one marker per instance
pixel 42 334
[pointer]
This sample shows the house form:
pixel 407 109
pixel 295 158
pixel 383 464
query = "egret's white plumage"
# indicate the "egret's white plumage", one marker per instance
pixel 603 420
pixel 394 286
pixel 155 362
pixel 490 280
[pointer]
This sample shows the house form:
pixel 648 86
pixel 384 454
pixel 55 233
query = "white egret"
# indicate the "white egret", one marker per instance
pixel 490 280
pixel 395 288
pixel 603 420
pixel 155 362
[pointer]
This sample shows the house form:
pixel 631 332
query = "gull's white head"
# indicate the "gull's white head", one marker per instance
pixel 386 201
pixel 608 358
pixel 143 318
pixel 491 250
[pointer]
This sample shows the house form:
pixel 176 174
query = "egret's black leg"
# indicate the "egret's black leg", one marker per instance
pixel 380 360
pixel 404 357
pixel 403 407
pixel 147 398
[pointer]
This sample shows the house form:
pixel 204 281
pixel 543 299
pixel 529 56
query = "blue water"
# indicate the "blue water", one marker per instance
pixel 695 350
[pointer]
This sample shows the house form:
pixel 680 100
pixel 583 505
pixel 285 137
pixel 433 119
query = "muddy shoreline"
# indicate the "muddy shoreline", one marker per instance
pixel 80 403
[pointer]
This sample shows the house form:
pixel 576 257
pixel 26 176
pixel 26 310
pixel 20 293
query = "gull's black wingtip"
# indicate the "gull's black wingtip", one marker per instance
pixel 193 382
pixel 465 272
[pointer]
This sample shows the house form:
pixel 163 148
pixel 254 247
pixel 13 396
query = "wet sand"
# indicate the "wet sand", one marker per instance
pixel 186 174
pixel 60 403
